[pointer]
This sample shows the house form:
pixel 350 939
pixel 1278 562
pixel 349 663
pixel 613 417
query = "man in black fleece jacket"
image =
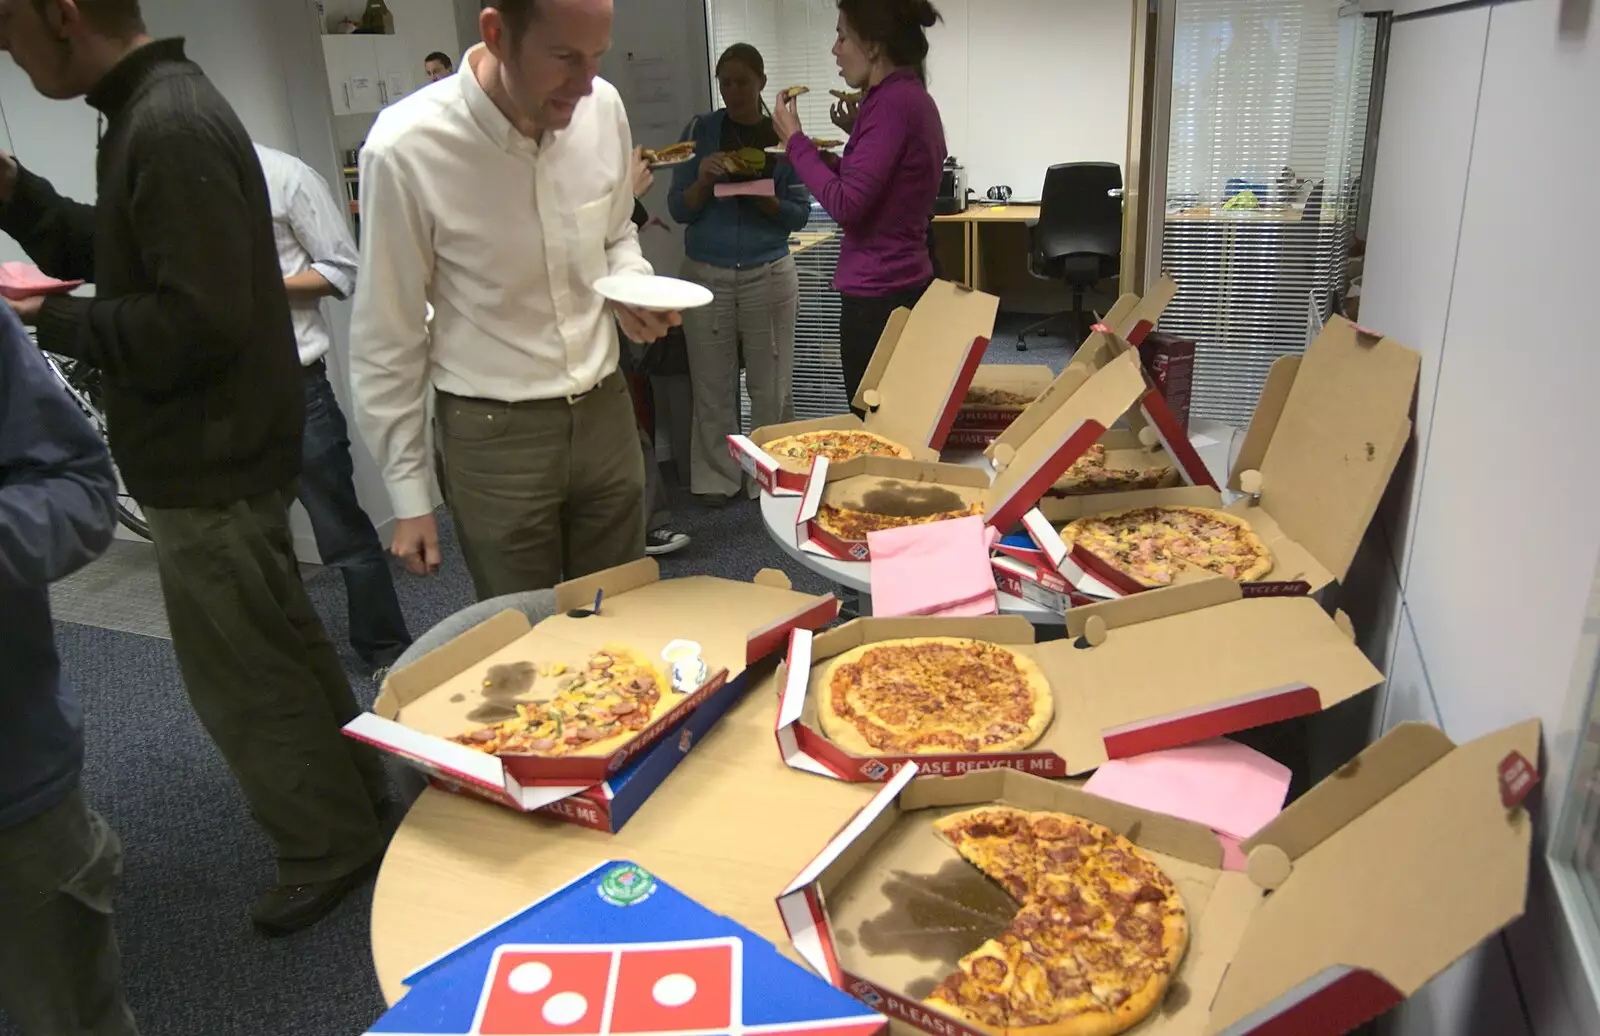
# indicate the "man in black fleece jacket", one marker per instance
pixel 190 325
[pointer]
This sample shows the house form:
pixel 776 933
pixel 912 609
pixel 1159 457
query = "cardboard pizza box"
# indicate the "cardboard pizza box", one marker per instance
pixel 619 950
pixel 1148 417
pixel 1327 436
pixel 1381 878
pixel 736 624
pixel 915 384
pixel 1175 667
pixel 978 424
pixel 885 485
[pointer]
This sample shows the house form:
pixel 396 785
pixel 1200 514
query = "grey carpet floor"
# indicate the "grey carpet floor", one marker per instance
pixel 193 858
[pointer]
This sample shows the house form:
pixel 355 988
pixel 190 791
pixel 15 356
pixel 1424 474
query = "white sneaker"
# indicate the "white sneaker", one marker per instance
pixel 665 541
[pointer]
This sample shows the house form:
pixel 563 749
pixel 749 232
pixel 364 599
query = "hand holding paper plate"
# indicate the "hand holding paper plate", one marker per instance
pixel 656 294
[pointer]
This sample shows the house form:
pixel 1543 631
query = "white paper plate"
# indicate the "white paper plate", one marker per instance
pixel 663 294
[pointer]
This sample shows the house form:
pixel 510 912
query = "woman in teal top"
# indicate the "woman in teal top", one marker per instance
pixel 738 246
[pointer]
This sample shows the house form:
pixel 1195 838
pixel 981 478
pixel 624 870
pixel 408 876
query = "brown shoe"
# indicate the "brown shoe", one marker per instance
pixel 286 909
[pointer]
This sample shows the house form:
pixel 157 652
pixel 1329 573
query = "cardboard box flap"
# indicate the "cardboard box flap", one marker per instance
pixel 1264 422
pixel 580 593
pixel 1338 440
pixel 882 354
pixel 1378 772
pixel 1212 658
pixel 1400 892
pixel 404 686
pixel 931 361
pixel 996 629
pixel 1060 436
pixel 1155 604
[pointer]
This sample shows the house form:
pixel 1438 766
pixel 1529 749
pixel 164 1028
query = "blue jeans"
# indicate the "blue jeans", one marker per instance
pixel 345 536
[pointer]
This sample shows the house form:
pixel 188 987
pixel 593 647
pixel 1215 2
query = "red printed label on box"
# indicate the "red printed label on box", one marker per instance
pixel 1518 778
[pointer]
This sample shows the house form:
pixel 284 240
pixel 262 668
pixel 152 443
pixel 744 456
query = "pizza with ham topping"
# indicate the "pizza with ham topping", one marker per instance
pixel 934 696
pixel 592 710
pixel 1151 545
pixel 853 526
pixel 1100 931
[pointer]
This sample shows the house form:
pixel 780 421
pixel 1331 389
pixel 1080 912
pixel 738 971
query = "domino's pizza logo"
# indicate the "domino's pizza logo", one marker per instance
pixel 875 770
pixel 686 742
pixel 866 994
pixel 859 552
pixel 627 885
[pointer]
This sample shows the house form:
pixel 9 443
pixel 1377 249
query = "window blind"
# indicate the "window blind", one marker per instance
pixel 1269 104
pixel 795 38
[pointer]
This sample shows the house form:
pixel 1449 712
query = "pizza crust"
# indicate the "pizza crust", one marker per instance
pixel 836 520
pixel 844 733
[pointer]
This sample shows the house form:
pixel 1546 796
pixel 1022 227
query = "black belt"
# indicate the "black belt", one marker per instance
pixel 317 367
pixel 530 404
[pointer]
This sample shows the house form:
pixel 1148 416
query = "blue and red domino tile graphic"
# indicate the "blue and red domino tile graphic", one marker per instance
pixel 618 952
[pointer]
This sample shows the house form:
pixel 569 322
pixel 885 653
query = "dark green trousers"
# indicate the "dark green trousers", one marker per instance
pixel 60 972
pixel 267 683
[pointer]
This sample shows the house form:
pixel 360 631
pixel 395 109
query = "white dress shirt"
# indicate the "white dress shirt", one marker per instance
pixel 313 233
pixel 505 237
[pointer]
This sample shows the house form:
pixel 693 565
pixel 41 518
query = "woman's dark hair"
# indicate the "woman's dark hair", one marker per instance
pixel 900 27
pixel 745 55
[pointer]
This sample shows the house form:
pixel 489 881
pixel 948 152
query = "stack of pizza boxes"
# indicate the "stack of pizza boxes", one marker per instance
pixel 618 951
pixel 1327 436
pixel 915 385
pixel 1160 670
pixel 1353 898
pixel 1076 412
pixel 730 625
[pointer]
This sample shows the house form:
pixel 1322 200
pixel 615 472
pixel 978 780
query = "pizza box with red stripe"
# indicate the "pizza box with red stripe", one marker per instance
pixel 1377 880
pixel 912 390
pixel 885 485
pixel 978 423
pixel 1170 668
pixel 619 952
pixel 443 694
pixel 1326 438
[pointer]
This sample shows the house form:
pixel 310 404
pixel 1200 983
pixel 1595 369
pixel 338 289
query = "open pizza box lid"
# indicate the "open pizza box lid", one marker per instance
pixel 1158 670
pixel 422 706
pixel 885 485
pixel 1327 436
pixel 917 380
pixel 1381 878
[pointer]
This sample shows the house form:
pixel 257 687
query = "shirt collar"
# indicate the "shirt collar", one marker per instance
pixel 118 86
pixel 485 112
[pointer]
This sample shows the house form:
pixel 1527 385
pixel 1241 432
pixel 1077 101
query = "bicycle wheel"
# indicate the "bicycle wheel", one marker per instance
pixel 83 385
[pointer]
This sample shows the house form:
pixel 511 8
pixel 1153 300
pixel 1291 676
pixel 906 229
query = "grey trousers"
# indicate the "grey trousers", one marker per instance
pixel 754 314
pixel 60 971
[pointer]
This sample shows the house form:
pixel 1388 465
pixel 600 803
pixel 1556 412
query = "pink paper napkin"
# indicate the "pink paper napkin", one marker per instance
pixel 24 281
pixel 1234 790
pixel 746 189
pixel 937 569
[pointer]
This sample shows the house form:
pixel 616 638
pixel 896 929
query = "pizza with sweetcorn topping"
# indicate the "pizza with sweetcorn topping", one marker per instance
pixel 853 526
pixel 836 445
pixel 593 710
pixel 1151 545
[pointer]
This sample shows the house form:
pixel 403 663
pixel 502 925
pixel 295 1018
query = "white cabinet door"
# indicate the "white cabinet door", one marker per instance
pixel 352 74
pixel 396 77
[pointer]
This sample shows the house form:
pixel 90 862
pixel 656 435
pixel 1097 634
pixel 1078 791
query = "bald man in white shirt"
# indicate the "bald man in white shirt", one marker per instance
pixel 500 196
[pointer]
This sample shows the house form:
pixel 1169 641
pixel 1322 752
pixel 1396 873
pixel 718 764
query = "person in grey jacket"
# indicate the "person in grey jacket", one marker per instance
pixel 59 965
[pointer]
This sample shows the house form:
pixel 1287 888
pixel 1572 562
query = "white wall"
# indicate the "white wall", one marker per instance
pixel 1027 84
pixel 265 57
pixel 1472 267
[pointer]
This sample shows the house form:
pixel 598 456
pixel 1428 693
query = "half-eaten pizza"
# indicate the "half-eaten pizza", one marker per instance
pixel 1092 473
pixel 1151 545
pixel 852 526
pixel 934 696
pixel 669 155
pixel 1100 933
pixel 593 710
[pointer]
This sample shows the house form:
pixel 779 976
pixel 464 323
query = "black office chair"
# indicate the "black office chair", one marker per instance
pixel 1078 239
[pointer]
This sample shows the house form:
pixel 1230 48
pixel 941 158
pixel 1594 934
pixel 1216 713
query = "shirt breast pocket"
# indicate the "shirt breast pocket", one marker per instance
pixel 594 227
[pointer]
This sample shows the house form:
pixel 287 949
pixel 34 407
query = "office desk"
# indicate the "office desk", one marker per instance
pixel 806 240
pixel 972 222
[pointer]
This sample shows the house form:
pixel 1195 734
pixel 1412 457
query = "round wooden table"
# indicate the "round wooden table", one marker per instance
pixel 730 827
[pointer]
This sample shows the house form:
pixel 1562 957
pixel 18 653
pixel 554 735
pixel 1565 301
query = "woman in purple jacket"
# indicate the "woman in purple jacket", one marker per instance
pixel 883 190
